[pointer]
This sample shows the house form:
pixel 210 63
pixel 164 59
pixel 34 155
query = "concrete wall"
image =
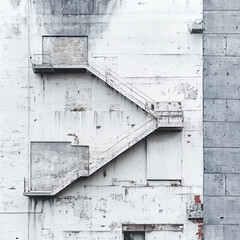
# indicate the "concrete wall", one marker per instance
pixel 65 50
pixel 221 119
pixel 149 44
pixel 52 163
pixel 14 88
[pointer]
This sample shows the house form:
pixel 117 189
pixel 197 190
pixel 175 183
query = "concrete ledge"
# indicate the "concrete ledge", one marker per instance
pixel 53 164
pixel 47 68
pixel 36 194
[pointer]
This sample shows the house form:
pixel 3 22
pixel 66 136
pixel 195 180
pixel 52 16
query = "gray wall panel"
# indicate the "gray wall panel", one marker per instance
pixel 221 160
pixel 221 134
pixel 231 232
pixel 221 210
pixel 232 184
pixel 221 92
pixel 216 184
pixel 221 5
pixel 215 44
pixel 233 45
pixel 222 21
pixel 215 110
pixel 233 110
pixel 213 232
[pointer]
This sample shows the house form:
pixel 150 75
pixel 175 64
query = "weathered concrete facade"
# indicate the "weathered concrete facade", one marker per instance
pixel 146 43
pixel 221 119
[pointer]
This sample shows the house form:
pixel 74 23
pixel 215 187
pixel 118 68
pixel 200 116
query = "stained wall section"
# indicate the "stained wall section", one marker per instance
pixel 13 118
pixel 131 38
pixel 221 119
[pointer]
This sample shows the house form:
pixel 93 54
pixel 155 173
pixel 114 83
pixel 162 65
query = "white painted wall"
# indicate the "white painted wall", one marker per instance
pixel 148 43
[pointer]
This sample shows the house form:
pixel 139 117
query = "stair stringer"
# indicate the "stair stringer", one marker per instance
pixel 153 122
pixel 124 143
pixel 123 87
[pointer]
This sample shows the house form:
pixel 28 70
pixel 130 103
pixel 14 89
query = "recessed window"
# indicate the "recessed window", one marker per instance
pixel 134 235
pixel 65 50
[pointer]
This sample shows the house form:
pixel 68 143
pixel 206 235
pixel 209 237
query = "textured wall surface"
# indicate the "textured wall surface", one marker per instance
pixel 221 119
pixel 65 50
pixel 14 119
pixel 148 43
pixel 53 163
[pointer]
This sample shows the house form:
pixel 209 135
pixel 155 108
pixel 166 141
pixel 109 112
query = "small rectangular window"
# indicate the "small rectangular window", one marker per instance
pixel 134 235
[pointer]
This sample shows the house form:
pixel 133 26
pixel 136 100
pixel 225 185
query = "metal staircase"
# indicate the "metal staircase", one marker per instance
pixel 122 86
pixel 126 141
pixel 160 115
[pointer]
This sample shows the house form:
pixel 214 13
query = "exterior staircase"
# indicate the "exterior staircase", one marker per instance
pixel 123 87
pixel 160 115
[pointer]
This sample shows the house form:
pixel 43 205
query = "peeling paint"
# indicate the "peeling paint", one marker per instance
pixel 127 39
pixel 190 92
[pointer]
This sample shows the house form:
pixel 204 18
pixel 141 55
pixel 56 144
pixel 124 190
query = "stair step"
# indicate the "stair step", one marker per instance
pixel 124 143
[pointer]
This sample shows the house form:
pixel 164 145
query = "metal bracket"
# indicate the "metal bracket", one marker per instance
pixel 196 27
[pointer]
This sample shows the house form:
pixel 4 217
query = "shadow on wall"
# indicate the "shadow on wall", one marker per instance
pixel 74 17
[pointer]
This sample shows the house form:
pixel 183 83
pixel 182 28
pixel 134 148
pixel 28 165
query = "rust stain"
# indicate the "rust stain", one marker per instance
pixel 72 135
pixel 197 199
pixel 200 231
pixel 81 109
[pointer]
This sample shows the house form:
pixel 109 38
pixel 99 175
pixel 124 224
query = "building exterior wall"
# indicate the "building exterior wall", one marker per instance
pixel 149 44
pixel 14 118
pixel 221 119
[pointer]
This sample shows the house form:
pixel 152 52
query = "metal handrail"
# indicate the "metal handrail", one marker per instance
pixel 124 137
pixel 122 81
